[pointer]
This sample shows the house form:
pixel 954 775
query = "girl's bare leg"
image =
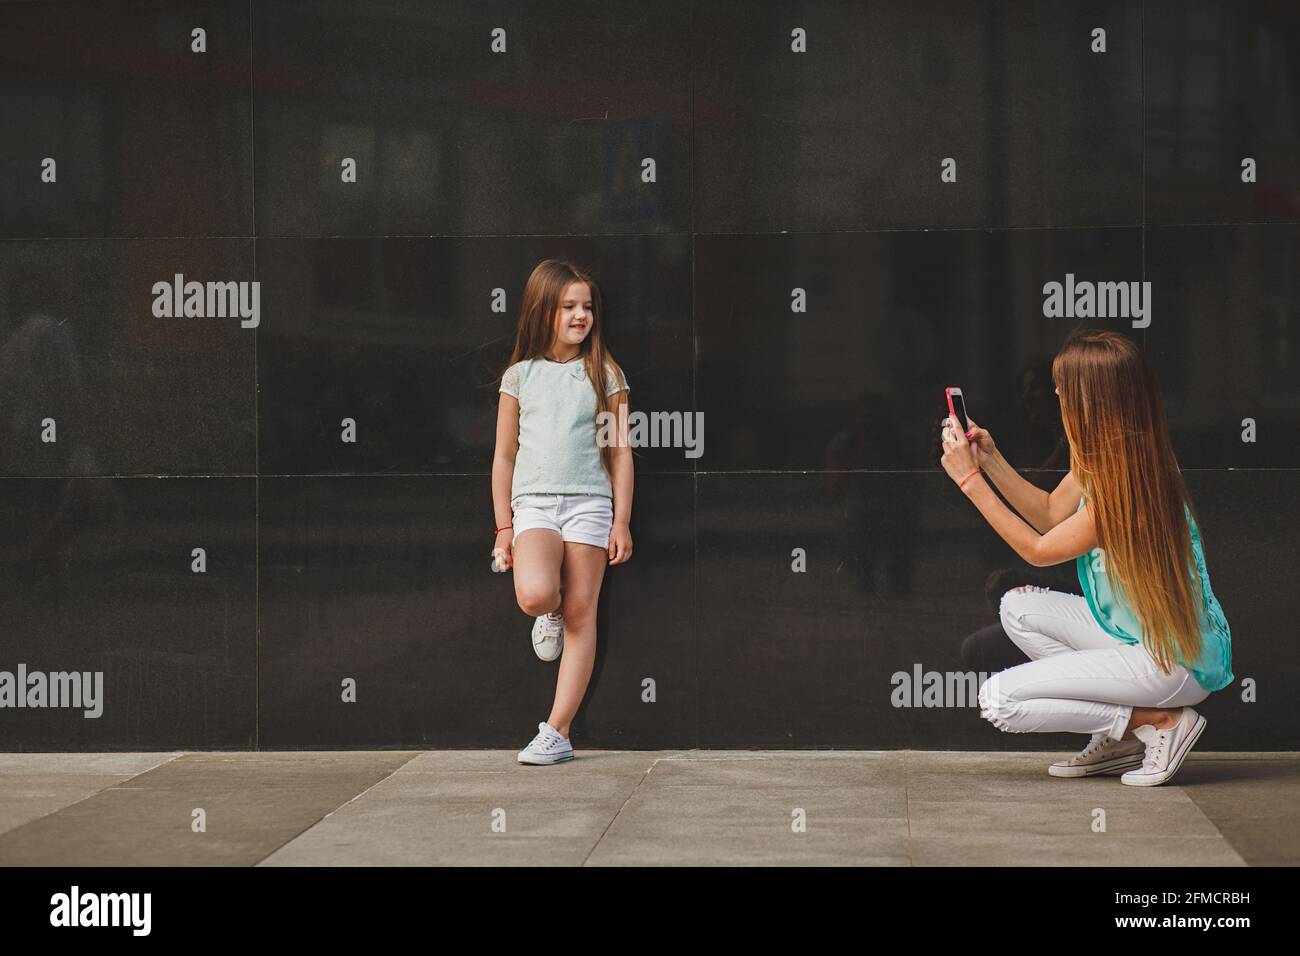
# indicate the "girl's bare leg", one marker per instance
pixel 583 572
pixel 538 554
pixel 1157 718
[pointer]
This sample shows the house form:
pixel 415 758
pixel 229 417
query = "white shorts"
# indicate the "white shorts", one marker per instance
pixel 586 519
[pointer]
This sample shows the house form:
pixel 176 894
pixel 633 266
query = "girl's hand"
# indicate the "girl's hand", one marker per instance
pixel 983 442
pixel 620 543
pixel 505 543
pixel 958 454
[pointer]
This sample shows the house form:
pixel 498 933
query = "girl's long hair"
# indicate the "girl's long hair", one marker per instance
pixel 539 329
pixel 1121 454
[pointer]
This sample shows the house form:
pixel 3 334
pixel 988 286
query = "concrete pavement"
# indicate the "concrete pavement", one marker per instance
pixel 886 808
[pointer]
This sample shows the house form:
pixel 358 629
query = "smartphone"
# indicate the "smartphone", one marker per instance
pixel 957 407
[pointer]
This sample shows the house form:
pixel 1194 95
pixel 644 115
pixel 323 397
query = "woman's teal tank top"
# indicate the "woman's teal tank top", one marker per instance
pixel 1213 669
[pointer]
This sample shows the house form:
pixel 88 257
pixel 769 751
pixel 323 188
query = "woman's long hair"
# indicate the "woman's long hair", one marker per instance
pixel 1121 454
pixel 539 330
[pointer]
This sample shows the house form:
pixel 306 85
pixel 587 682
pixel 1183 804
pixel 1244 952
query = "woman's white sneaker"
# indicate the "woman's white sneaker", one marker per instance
pixel 548 635
pixel 1104 754
pixel 1165 749
pixel 547 747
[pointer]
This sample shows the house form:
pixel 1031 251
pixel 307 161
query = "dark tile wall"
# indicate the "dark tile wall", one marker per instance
pixel 179 515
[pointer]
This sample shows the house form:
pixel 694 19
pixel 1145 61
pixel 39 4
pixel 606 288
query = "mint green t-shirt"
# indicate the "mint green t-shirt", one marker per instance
pixel 558 454
pixel 1213 669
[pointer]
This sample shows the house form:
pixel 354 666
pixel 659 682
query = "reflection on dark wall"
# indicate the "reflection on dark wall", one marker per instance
pixel 773 171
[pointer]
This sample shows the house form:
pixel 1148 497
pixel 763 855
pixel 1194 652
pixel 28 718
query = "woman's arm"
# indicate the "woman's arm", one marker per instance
pixel 1068 539
pixel 1044 510
pixel 1028 499
pixel 503 459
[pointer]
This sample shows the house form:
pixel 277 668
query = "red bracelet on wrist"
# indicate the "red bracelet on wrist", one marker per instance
pixel 503 528
pixel 962 484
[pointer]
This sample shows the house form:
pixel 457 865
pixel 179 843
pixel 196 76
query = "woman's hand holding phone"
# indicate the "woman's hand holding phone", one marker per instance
pixel 982 442
pixel 958 454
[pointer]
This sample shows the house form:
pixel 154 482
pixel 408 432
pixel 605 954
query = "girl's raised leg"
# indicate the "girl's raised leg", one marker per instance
pixel 583 572
pixel 538 556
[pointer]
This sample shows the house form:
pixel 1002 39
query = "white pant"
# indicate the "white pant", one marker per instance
pixel 1080 679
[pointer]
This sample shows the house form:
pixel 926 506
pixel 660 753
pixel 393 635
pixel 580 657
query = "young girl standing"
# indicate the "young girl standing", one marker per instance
pixel 1126 660
pixel 562 499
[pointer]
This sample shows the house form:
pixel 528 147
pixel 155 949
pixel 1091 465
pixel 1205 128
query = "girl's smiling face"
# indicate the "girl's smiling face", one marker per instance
pixel 574 317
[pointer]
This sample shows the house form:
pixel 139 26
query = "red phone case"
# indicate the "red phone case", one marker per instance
pixel 952 412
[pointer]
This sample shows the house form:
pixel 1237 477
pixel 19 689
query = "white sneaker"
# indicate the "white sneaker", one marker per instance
pixel 1166 749
pixel 547 747
pixel 548 635
pixel 1104 754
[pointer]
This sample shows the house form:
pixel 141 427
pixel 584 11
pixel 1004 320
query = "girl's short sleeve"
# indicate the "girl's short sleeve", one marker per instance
pixel 612 383
pixel 510 381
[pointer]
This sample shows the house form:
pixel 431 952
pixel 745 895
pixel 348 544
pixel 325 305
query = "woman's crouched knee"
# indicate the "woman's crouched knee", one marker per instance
pixel 995 706
pixel 1011 608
